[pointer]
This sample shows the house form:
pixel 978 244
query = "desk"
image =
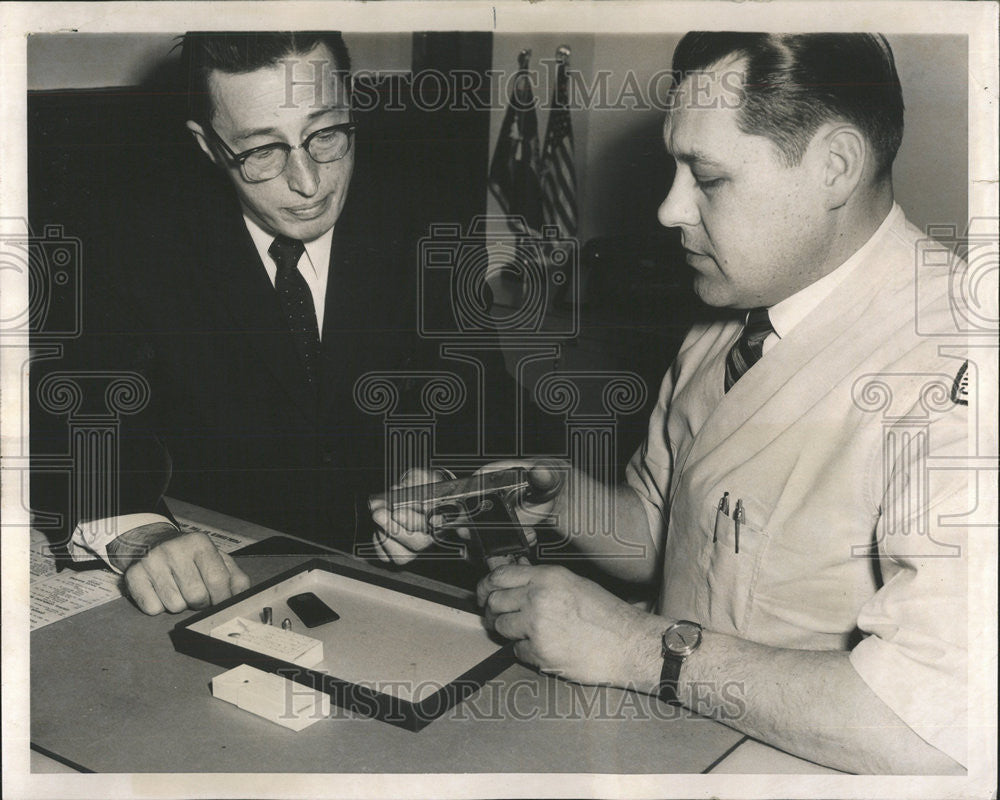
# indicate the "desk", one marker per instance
pixel 110 694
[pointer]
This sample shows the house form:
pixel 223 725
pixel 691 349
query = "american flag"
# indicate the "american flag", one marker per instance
pixel 558 175
pixel 515 165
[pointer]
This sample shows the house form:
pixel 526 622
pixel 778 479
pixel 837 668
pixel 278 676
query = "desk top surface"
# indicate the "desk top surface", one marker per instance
pixel 110 694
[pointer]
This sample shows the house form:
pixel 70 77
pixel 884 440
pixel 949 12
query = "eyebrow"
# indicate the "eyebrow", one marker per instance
pixel 696 157
pixel 319 112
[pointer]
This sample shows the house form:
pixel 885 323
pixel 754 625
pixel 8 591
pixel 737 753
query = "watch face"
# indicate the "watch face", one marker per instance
pixel 682 638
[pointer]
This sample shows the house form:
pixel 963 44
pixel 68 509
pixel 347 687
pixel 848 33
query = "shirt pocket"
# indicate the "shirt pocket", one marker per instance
pixel 732 571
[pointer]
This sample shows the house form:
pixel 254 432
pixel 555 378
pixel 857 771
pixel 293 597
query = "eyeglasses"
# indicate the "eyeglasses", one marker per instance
pixel 268 161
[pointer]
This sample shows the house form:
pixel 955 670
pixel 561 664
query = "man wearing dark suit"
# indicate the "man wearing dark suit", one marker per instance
pixel 252 322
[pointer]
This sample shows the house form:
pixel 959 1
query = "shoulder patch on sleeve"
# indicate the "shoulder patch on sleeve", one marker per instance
pixel 960 386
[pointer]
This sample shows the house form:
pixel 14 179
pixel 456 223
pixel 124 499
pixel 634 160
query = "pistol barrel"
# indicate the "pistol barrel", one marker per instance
pixel 450 491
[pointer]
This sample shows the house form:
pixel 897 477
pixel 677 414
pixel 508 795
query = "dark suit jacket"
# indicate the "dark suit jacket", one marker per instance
pixel 229 399
pixel 173 287
pixel 191 308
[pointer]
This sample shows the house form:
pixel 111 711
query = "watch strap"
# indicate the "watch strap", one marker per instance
pixel 669 675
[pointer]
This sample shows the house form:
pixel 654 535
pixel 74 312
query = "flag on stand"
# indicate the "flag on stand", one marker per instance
pixel 558 175
pixel 515 165
pixel 559 189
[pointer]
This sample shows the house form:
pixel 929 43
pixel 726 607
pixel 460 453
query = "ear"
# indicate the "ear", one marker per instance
pixel 199 135
pixel 845 156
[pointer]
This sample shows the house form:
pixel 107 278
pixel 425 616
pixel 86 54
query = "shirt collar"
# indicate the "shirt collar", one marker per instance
pixel 318 250
pixel 792 310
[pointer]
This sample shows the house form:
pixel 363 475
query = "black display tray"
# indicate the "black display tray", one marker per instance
pixel 400 653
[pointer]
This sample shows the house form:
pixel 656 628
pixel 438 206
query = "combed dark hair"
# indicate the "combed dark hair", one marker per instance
pixel 240 52
pixel 796 82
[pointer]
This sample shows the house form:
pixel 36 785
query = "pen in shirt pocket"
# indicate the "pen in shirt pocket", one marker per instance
pixel 739 517
pixel 723 509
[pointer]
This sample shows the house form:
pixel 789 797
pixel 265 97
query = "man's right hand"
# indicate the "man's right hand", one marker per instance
pixel 401 535
pixel 167 570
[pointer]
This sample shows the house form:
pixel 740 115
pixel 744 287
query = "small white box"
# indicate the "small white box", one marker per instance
pixel 271 641
pixel 271 696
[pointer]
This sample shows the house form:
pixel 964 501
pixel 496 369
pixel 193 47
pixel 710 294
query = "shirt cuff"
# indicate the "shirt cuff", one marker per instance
pixel 90 539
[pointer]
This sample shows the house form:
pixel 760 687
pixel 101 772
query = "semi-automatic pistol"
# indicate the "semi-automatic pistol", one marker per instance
pixel 484 503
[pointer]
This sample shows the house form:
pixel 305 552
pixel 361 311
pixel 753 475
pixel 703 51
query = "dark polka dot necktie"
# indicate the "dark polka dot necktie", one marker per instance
pixel 296 299
pixel 749 347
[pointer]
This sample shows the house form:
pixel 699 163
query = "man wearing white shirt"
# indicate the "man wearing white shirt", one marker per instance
pixel 812 591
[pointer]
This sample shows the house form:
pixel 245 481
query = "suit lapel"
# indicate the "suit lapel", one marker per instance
pixel 336 344
pixel 367 319
pixel 243 287
pixel 351 304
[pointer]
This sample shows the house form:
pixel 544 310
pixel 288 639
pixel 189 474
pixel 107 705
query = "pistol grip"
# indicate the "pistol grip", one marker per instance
pixel 497 536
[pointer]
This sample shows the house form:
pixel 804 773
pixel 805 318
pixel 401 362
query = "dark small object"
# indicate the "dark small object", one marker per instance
pixel 286 624
pixel 723 509
pixel 311 610
pixel 266 615
pixel 739 518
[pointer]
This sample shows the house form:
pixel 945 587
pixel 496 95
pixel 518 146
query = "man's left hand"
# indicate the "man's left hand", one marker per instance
pixel 168 570
pixel 569 626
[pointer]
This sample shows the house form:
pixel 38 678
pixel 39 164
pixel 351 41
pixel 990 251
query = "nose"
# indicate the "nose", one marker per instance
pixel 678 207
pixel 302 173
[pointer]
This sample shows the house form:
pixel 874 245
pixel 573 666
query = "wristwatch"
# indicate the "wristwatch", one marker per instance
pixel 679 641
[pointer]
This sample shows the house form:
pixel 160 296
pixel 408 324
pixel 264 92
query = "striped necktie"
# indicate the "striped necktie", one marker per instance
pixel 749 347
pixel 296 300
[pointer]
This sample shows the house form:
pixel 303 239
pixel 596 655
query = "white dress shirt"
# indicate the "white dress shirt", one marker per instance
pixel 828 443
pixel 314 265
pixel 792 310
